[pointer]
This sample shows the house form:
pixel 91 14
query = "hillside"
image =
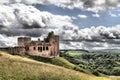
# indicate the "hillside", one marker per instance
pixel 96 63
pixel 21 68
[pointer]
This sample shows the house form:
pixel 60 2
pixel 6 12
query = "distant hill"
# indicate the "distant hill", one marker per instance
pixel 21 68
pixel 106 51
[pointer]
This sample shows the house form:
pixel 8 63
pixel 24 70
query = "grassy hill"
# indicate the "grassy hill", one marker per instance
pixel 60 61
pixel 115 77
pixel 21 68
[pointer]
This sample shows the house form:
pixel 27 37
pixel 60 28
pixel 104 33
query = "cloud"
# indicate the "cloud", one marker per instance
pixel 100 5
pixel 113 15
pixel 82 16
pixel 96 15
pixel 19 19
pixel 93 5
pixel 6 41
pixel 91 38
pixel 99 34
pixel 88 45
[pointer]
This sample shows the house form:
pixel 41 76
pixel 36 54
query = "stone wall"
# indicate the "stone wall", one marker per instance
pixel 23 40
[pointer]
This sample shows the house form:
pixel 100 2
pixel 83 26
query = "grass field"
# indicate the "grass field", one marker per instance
pixel 115 77
pixel 21 68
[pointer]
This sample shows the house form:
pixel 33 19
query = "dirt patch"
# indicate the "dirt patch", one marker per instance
pixel 0 54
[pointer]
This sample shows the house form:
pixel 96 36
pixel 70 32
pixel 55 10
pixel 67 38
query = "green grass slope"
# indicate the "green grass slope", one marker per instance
pixel 60 61
pixel 20 68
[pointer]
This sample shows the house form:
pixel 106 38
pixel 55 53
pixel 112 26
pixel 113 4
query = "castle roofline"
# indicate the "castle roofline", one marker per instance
pixel 23 37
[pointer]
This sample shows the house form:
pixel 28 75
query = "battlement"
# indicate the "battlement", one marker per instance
pixel 23 40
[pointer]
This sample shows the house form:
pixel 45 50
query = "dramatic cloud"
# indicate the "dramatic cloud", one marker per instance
pixel 6 41
pixel 94 5
pixel 19 19
pixel 89 38
pixel 25 20
pixel 93 38
pixel 100 34
pixel 88 45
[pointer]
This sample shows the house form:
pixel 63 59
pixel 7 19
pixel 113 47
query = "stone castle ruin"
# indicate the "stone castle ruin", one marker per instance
pixel 49 47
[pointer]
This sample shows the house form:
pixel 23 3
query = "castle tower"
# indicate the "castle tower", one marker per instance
pixel 23 40
pixel 54 41
pixel 50 38
pixel 57 44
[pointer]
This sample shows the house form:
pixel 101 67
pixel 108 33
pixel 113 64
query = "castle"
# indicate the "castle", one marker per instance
pixel 49 47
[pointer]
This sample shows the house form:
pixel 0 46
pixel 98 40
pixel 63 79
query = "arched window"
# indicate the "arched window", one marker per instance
pixel 40 49
pixel 34 48
pixel 43 48
pixel 26 48
pixel 47 48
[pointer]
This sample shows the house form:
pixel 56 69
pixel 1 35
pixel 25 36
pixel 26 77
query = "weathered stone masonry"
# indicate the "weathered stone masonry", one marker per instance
pixel 49 47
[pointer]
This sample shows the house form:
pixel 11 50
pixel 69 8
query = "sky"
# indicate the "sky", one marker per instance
pixel 81 24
